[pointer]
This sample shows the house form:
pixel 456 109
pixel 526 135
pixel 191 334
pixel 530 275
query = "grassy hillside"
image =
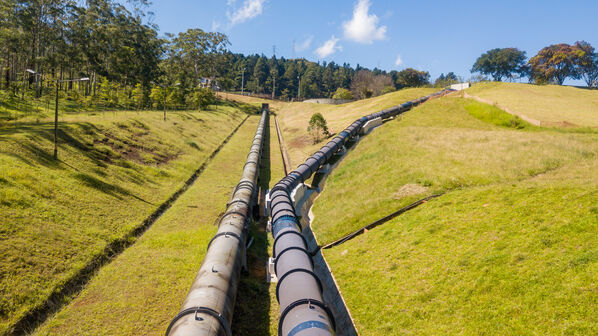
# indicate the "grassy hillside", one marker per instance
pixel 146 285
pixel 294 119
pixel 553 105
pixel 114 170
pixel 509 249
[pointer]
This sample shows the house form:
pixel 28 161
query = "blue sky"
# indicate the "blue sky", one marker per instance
pixel 436 36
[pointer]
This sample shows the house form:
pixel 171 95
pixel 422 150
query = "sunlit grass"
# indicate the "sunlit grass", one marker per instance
pixel 294 119
pixel 113 171
pixel 146 285
pixel 546 103
pixel 508 250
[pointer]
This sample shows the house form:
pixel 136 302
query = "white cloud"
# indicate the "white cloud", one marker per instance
pixel 328 48
pixel 399 60
pixel 249 10
pixel 305 44
pixel 216 26
pixel 363 27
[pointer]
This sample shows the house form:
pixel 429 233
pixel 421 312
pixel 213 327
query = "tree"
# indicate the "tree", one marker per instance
pixel 500 63
pixel 202 98
pixel 555 63
pixel 412 78
pixel 449 79
pixel 318 127
pixel 366 84
pixel 342 93
pixel 586 63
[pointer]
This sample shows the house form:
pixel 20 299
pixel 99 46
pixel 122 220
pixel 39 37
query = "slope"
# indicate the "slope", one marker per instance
pixel 509 249
pixel 62 218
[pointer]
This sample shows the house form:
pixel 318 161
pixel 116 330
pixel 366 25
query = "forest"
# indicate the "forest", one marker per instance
pixel 107 53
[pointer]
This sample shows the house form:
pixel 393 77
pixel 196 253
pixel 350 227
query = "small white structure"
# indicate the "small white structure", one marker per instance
pixel 370 125
pixel 461 86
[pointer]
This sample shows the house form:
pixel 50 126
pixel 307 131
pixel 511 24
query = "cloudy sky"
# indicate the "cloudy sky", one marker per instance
pixel 437 36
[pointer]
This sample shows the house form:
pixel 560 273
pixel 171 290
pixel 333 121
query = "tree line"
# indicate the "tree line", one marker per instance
pixel 44 43
pixel 552 65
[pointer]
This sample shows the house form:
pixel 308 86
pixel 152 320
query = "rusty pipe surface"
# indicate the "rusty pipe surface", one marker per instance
pixel 299 291
pixel 208 307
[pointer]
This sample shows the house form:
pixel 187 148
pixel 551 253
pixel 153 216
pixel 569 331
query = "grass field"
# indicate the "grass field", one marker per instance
pixel 551 104
pixel 114 170
pixel 294 119
pixel 509 249
pixel 146 285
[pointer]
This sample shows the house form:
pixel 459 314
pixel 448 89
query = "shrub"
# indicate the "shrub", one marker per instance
pixel 342 93
pixel 318 128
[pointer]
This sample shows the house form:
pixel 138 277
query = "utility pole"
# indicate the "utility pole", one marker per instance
pixel 299 88
pixel 56 125
pixel 273 87
pixel 243 82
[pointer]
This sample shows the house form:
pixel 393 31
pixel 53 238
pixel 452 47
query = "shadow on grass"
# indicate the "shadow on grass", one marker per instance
pixel 62 295
pixel 107 188
pixel 245 107
pixel 252 308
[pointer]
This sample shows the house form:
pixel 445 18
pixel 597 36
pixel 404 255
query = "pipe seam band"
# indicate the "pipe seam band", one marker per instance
pixel 228 213
pixel 238 201
pixel 282 234
pixel 283 201
pixel 297 270
pixel 226 234
pixel 205 310
pixel 309 302
pixel 291 248
pixel 289 218
pixel 244 185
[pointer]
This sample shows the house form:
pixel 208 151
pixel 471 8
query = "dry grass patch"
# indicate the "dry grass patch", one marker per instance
pixel 552 104
pixel 294 118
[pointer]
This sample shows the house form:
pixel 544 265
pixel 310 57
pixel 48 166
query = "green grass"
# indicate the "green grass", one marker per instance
pixel 294 119
pixel 145 286
pixel 552 105
pixel 509 249
pixel 114 170
pixel 494 115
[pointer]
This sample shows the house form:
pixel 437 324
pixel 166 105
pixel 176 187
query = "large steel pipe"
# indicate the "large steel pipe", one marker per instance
pixel 299 291
pixel 208 307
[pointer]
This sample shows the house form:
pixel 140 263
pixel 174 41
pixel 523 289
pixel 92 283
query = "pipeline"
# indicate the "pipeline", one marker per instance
pixel 299 291
pixel 208 307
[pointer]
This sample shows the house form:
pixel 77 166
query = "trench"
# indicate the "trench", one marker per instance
pixel 253 304
pixel 73 286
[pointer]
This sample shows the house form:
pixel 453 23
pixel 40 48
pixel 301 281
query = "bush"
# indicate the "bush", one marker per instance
pixel 342 93
pixel 202 98
pixel 388 89
pixel 318 128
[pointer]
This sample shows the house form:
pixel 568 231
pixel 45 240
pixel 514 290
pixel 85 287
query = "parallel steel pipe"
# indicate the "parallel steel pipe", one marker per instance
pixel 208 307
pixel 299 291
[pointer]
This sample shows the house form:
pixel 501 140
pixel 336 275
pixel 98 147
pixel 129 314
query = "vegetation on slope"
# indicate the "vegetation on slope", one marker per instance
pixel 509 249
pixel 294 119
pixel 551 104
pixel 146 285
pixel 113 171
